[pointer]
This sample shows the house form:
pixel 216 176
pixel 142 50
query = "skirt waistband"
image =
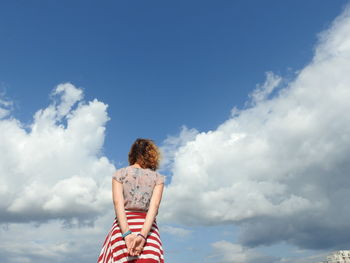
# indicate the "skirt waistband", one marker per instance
pixel 136 211
pixel 129 213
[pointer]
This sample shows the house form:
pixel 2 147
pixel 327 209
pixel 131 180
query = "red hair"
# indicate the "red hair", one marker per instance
pixel 145 153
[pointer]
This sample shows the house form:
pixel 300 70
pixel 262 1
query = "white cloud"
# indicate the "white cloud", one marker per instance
pixel 176 231
pixel 68 96
pixel 4 113
pixel 56 168
pixel 227 252
pixel 51 242
pixel 278 169
pixel 5 106
pixel 262 92
pixel 172 143
pixel 54 174
pixel 320 257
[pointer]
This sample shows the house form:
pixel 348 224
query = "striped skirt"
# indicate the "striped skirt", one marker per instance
pixel 114 248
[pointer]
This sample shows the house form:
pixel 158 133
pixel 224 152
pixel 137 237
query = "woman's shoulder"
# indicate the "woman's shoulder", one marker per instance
pixel 119 174
pixel 158 177
pixel 131 168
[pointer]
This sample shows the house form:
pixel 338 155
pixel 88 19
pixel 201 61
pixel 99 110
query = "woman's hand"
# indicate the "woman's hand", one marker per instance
pixel 137 246
pixel 129 239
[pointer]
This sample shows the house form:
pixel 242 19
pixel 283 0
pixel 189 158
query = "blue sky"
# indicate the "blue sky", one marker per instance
pixel 159 65
pixel 181 62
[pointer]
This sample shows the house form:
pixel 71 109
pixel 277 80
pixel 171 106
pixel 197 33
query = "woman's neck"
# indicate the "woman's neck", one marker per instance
pixel 136 165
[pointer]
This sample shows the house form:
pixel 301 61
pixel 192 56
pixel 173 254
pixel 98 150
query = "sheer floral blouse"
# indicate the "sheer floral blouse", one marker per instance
pixel 138 184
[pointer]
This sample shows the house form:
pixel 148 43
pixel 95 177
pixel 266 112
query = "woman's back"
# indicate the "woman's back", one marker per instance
pixel 138 185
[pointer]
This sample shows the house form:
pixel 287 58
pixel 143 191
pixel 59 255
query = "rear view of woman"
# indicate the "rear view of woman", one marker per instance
pixel 137 192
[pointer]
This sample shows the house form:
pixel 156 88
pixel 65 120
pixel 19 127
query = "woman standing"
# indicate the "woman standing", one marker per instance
pixel 137 192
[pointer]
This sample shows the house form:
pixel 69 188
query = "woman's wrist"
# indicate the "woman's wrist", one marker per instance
pixel 139 234
pixel 144 233
pixel 126 233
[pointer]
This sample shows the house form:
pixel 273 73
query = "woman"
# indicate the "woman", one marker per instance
pixel 137 192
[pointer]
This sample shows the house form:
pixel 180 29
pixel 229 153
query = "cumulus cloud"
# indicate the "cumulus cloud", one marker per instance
pixel 321 257
pixel 227 252
pixel 32 243
pixel 5 106
pixel 278 169
pixel 172 143
pixel 262 92
pixel 54 168
pixel 176 231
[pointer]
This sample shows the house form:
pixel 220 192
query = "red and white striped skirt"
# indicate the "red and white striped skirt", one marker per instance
pixel 114 248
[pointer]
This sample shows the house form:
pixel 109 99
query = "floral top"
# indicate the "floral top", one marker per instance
pixel 138 184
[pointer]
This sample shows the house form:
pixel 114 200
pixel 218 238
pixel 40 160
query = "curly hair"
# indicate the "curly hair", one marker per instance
pixel 145 153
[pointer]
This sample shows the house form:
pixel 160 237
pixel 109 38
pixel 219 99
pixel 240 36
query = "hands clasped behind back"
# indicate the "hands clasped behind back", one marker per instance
pixel 134 244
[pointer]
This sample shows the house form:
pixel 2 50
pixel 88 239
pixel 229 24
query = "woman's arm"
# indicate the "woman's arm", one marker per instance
pixel 118 201
pixel 153 208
